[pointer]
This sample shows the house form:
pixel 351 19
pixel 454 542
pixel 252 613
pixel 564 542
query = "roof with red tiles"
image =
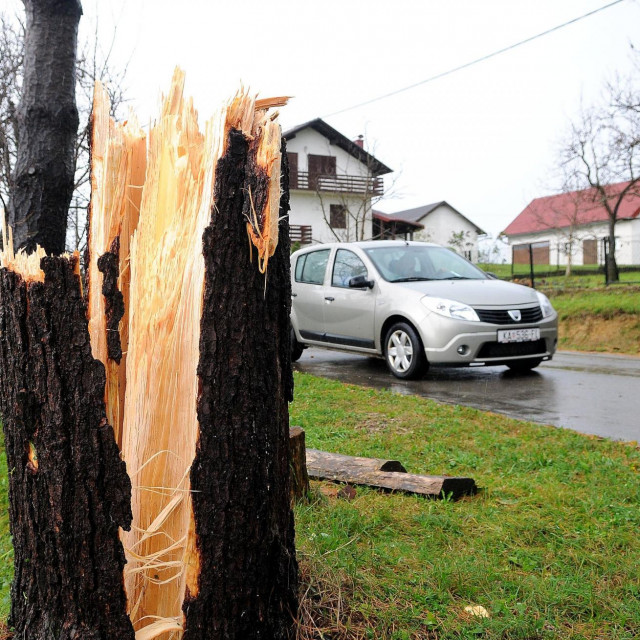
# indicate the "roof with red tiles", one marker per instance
pixel 575 208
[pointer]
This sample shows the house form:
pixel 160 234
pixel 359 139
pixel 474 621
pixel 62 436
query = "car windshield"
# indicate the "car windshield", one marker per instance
pixel 412 263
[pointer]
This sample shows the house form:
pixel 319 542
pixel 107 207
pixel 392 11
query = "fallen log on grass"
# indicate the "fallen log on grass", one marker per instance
pixel 384 474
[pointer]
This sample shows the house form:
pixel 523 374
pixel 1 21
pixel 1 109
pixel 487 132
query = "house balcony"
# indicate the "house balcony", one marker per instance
pixel 300 233
pixel 336 183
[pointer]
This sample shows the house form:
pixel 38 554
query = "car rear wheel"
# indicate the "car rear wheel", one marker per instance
pixel 296 347
pixel 524 365
pixel 404 353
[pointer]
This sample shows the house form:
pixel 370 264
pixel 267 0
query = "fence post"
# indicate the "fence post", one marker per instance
pixel 533 284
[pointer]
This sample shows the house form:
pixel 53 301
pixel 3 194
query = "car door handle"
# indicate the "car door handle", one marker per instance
pixel 329 299
pixel 294 295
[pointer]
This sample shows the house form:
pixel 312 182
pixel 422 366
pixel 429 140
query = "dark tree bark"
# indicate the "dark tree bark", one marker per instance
pixel 43 177
pixel 68 488
pixel 244 523
pixel 298 464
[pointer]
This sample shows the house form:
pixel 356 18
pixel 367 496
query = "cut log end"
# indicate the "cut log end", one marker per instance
pixel 298 464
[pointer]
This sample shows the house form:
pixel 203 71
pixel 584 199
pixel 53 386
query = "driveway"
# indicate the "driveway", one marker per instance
pixel 591 393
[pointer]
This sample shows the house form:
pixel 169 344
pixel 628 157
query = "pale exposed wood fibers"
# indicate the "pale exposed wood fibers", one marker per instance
pixel 118 164
pixel 264 233
pixel 160 428
pixel 27 265
pixel 160 422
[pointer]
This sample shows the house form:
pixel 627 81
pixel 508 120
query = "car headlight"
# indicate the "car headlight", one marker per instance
pixel 545 305
pixel 450 308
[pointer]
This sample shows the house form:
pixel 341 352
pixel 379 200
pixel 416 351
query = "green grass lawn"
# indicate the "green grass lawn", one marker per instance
pixel 592 316
pixel 592 278
pixel 606 303
pixel 549 547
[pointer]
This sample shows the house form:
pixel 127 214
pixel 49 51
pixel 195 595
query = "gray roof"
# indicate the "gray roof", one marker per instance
pixel 376 167
pixel 417 214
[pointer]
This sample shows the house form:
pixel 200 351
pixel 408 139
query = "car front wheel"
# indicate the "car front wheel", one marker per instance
pixel 403 352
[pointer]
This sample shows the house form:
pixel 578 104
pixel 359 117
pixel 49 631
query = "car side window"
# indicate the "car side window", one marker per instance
pixel 347 265
pixel 310 267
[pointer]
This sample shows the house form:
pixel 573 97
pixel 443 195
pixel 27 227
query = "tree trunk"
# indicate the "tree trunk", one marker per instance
pixel 68 489
pixel 613 274
pixel 243 518
pixel 47 125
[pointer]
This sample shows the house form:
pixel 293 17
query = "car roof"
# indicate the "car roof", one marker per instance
pixel 369 244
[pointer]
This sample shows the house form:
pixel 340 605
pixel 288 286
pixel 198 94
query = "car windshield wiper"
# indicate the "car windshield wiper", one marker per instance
pixel 412 279
pixel 456 278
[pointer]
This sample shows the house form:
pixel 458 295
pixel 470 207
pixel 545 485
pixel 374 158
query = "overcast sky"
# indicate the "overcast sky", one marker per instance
pixel 482 138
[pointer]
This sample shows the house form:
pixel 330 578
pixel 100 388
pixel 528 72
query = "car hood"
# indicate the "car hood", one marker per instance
pixel 477 293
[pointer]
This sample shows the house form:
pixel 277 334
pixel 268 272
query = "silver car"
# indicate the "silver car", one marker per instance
pixel 415 304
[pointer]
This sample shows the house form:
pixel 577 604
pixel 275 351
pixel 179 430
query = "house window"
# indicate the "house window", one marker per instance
pixel 338 216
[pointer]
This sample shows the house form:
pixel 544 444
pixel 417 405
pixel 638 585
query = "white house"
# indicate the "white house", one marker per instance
pixel 437 222
pixel 572 228
pixel 332 183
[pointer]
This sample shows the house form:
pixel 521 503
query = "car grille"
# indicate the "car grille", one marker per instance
pixel 511 349
pixel 501 316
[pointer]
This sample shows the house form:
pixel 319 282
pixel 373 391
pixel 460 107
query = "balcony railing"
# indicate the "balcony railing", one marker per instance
pixel 300 233
pixel 336 183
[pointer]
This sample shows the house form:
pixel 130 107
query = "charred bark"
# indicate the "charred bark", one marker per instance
pixel 43 177
pixel 68 488
pixel 109 266
pixel 244 523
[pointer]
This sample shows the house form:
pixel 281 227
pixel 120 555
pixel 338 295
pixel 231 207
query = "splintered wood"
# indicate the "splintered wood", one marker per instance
pixel 153 196
pixel 153 223
pixel 118 165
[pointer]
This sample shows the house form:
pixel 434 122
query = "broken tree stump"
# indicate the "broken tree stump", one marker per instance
pixel 298 464
pixel 204 422
pixel 384 474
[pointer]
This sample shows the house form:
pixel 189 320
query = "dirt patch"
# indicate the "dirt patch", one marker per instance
pixel 619 334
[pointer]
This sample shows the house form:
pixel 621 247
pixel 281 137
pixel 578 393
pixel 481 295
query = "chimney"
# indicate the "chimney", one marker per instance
pixel 360 141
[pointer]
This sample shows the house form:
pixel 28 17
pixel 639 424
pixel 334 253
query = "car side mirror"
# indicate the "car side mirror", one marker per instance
pixel 360 282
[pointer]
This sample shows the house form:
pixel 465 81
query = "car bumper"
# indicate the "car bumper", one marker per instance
pixel 463 343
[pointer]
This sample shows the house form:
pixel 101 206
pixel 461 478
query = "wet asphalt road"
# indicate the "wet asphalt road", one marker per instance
pixel 591 393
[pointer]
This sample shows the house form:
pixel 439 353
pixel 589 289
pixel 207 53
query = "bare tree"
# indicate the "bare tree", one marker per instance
pixel 349 215
pixel 491 250
pixel 93 63
pixel 566 218
pixel 625 95
pixel 11 64
pixel 461 242
pixel 602 152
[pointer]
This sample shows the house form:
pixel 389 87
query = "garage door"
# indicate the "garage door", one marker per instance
pixel 540 253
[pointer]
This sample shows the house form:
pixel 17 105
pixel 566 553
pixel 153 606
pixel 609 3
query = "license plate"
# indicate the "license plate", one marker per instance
pixel 518 335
